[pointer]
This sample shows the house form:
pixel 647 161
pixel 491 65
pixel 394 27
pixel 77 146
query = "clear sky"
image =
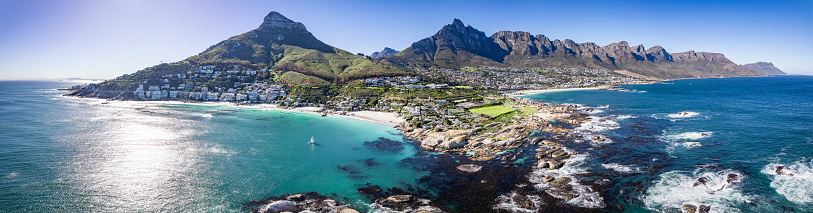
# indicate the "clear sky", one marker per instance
pixel 107 38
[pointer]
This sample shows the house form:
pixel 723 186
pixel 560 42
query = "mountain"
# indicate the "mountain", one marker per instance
pixel 384 53
pixel 766 68
pixel 456 45
pixel 287 46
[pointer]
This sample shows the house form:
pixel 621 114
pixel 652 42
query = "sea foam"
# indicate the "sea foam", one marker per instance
pixel 718 189
pixel 684 115
pixel 622 168
pixel 587 197
pixel 794 181
pixel 688 136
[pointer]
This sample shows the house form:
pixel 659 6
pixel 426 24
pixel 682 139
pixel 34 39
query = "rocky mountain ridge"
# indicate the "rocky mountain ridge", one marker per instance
pixel 456 45
pixel 384 53
pixel 764 67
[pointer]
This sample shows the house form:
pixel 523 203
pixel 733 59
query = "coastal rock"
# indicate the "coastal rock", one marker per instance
pixel 701 180
pixel 559 182
pixel 469 167
pixel 347 210
pixel 522 201
pixel 299 196
pixel 454 142
pixel 564 192
pixel 688 208
pixel 731 177
pixel 399 198
pixel 547 179
pixel 553 164
pixel 542 164
pixel 279 206
pixel 703 209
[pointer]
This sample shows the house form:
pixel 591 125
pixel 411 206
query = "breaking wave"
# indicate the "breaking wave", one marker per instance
pixel 719 190
pixel 794 181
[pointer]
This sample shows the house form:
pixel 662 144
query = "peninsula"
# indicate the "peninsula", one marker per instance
pixel 451 90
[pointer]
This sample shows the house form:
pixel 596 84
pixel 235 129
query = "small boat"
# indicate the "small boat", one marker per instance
pixel 311 142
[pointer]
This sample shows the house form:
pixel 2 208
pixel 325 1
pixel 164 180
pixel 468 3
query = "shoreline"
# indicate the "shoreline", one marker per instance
pixel 539 91
pixel 387 118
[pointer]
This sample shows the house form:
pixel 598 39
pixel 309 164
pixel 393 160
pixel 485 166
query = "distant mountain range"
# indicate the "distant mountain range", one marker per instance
pixel 456 45
pixel 293 56
pixel 384 53
pixel 766 68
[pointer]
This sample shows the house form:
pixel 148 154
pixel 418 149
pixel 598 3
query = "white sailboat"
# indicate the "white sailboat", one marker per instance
pixel 311 142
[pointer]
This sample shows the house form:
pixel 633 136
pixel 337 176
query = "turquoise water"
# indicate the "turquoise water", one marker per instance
pixel 85 155
pixel 741 126
pixel 88 155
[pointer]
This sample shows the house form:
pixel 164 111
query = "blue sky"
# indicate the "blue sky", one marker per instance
pixel 107 38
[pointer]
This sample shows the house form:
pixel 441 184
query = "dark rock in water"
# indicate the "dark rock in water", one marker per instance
pixel 564 192
pixel 300 202
pixel 469 167
pixel 369 162
pixel 404 203
pixel 559 182
pixel 702 180
pixel 370 190
pixel 689 208
pixel 547 179
pixel 299 196
pixel 522 201
pixel 779 170
pixel 384 144
pixel 704 209
pixel 732 177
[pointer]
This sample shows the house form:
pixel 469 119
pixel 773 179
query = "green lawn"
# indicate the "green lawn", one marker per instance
pixel 492 110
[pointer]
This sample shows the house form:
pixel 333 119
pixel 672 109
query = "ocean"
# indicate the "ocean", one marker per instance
pixel 712 142
pixel 731 134
pixel 90 155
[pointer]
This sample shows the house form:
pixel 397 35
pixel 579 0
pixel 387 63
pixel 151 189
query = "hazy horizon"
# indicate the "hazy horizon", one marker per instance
pixel 97 39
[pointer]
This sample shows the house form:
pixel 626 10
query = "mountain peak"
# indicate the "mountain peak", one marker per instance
pixel 275 20
pixel 457 22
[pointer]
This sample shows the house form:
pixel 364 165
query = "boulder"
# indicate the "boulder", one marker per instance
pixel 547 179
pixel 431 142
pixel 703 209
pixel 299 196
pixel 454 142
pixel 732 177
pixel 689 208
pixel 399 199
pixel 553 164
pixel 542 164
pixel 557 154
pixel 280 206
pixel 522 201
pixel 559 182
pixel 346 210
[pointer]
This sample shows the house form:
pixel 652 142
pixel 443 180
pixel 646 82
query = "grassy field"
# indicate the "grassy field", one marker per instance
pixel 492 110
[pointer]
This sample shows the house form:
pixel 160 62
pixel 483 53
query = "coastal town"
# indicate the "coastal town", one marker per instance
pixel 487 100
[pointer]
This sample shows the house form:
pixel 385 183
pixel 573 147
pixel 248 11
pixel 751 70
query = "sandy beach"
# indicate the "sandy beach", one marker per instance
pixel 388 118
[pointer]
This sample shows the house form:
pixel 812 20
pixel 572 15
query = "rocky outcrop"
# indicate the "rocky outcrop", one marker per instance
pixel 384 53
pixel 299 202
pixel 764 67
pixel 404 203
